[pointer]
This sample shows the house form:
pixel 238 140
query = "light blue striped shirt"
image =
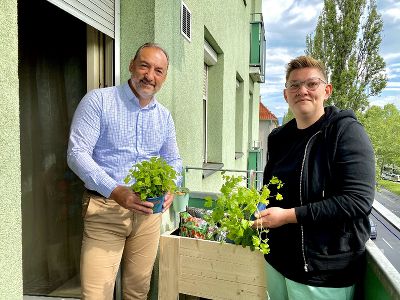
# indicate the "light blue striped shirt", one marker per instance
pixel 110 133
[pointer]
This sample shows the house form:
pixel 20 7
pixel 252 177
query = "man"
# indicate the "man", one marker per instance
pixel 112 129
pixel 317 233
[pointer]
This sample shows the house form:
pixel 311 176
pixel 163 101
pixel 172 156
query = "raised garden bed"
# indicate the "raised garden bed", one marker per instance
pixel 209 269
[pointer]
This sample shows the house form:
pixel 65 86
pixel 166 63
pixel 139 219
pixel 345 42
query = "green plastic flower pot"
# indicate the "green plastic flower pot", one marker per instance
pixel 180 202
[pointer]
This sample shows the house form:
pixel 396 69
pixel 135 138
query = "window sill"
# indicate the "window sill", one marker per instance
pixel 210 168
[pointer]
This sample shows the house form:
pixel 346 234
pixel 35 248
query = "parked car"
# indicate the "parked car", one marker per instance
pixel 374 231
pixel 391 176
pixel 395 177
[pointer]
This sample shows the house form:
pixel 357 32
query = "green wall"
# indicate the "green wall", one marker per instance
pixel 10 175
pixel 137 28
pixel 226 28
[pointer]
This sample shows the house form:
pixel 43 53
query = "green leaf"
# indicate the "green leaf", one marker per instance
pixel 208 201
pixel 234 208
pixel 152 178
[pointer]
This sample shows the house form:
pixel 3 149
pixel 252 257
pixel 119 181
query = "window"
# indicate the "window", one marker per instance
pixel 212 109
pixel 239 118
pixel 210 59
pixel 205 122
pixel 55 68
pixel 250 119
pixel 99 59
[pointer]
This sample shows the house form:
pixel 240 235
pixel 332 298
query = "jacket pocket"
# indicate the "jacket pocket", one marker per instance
pixel 328 240
pixel 332 262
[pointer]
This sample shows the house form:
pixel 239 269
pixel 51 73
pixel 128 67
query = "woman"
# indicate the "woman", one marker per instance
pixel 325 159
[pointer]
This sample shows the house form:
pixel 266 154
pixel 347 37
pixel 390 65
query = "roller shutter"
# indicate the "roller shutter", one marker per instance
pixel 99 14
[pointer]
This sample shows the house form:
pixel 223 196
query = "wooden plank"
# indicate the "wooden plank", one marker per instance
pixel 168 267
pixel 220 289
pixel 220 251
pixel 209 269
pixel 248 273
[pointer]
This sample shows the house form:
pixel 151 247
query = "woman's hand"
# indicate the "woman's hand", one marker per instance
pixel 273 217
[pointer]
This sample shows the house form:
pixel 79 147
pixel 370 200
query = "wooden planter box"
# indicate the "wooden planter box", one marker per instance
pixel 209 269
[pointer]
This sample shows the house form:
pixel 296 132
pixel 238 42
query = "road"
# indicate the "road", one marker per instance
pixel 388 238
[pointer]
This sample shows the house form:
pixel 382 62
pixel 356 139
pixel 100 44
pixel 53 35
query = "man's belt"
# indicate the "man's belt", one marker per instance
pixel 94 193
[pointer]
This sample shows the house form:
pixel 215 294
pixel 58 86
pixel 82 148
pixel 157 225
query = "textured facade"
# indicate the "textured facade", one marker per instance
pixel 226 27
pixel 10 175
pixel 232 109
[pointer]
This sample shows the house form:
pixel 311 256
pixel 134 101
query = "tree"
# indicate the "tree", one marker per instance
pixel 287 117
pixel 383 128
pixel 347 39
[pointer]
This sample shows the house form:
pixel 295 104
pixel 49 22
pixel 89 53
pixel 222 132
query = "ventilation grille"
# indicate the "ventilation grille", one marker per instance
pixel 186 22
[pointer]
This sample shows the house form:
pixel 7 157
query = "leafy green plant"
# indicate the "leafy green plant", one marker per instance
pixel 153 178
pixel 234 212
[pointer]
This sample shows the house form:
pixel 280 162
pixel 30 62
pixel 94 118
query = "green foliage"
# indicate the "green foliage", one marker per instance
pixel 234 210
pixel 394 187
pixel 287 117
pixel 153 178
pixel 383 128
pixel 347 39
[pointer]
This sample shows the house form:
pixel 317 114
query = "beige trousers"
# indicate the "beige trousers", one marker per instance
pixel 112 233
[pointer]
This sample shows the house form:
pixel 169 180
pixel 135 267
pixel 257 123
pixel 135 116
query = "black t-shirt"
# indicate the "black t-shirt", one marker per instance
pixel 286 161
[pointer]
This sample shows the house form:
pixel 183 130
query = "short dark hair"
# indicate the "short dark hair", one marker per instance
pixel 305 61
pixel 151 45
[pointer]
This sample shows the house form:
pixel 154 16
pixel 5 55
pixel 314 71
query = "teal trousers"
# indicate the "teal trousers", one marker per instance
pixel 281 288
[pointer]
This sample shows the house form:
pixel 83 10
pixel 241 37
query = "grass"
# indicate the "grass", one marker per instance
pixel 392 186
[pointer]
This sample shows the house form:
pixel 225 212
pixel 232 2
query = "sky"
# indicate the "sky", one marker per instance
pixel 288 22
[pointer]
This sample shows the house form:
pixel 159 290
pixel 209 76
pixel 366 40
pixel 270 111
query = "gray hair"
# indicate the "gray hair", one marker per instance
pixel 151 45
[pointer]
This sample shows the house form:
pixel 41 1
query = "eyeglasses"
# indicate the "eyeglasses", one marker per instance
pixel 311 84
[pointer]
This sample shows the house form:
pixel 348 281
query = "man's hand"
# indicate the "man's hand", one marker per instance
pixel 125 197
pixel 167 201
pixel 274 217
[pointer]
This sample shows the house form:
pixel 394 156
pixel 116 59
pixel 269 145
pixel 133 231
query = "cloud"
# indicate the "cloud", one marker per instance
pixel 278 54
pixel 393 71
pixel 304 14
pixel 383 100
pixel 393 13
pixel 393 86
pixel 273 10
pixel 391 56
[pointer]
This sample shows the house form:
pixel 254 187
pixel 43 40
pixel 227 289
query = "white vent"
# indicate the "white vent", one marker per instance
pixel 186 22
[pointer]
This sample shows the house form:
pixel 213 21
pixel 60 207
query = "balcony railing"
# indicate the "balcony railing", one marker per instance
pixel 257 48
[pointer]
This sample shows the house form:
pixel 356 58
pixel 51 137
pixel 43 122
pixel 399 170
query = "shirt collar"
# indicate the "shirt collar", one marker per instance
pixel 132 97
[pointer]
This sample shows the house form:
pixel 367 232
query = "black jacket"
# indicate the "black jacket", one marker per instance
pixel 335 185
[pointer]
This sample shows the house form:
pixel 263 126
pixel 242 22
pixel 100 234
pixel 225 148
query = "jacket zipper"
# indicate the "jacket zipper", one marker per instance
pixel 301 201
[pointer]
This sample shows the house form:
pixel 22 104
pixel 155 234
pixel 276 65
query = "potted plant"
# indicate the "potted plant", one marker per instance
pixel 153 179
pixel 234 212
pixel 181 199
